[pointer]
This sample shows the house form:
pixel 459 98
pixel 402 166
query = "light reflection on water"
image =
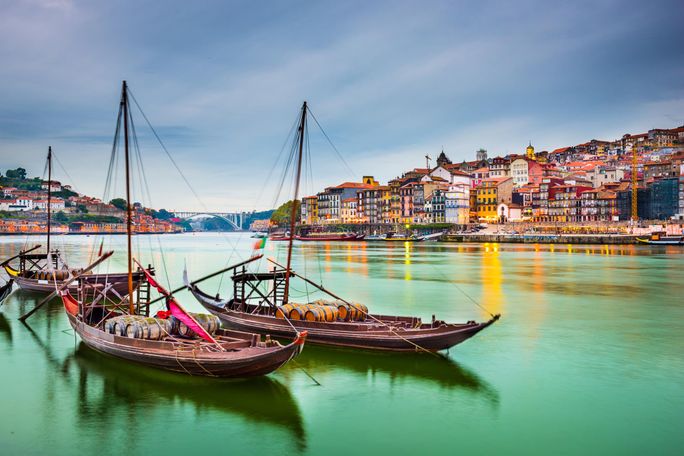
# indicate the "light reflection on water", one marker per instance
pixel 584 328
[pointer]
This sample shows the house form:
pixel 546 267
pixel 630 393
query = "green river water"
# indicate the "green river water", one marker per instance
pixel 588 358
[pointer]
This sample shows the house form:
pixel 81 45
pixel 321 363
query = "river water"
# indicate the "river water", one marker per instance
pixel 588 358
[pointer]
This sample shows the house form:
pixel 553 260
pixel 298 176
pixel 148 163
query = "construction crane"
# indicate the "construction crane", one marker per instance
pixel 635 215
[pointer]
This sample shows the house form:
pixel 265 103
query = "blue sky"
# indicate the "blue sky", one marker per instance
pixel 389 81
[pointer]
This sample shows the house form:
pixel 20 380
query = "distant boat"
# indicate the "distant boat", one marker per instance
pixel 396 237
pixel 41 271
pixel 660 238
pixel 375 237
pixel 329 237
pixel 432 236
pixel 259 235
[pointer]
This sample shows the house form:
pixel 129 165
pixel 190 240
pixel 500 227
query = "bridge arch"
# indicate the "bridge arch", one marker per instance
pixel 203 215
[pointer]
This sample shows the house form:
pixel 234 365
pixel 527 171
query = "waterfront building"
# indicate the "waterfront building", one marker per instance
pixel 406 195
pixel 564 205
pixel 457 204
pixel 395 199
pixel 511 212
pixel 435 206
pixel 598 205
pixel 664 198
pixel 349 210
pixel 309 210
pixel 490 193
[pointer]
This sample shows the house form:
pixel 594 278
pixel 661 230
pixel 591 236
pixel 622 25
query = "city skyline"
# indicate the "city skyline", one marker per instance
pixel 222 85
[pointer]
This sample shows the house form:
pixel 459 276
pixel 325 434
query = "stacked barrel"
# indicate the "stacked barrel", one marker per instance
pixel 141 327
pixel 324 311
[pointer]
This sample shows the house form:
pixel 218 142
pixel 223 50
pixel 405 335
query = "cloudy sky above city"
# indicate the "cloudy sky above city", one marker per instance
pixel 389 81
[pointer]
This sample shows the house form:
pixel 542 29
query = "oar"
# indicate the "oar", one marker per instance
pixel 214 274
pixel 20 254
pixel 65 285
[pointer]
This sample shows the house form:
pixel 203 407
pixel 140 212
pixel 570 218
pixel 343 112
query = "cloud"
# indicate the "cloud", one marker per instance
pixel 389 82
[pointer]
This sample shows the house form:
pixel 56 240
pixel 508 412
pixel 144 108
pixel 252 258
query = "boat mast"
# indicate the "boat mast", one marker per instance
pixel 129 221
pixel 49 200
pixel 302 126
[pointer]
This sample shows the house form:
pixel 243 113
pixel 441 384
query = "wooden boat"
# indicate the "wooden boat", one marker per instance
pixel 39 272
pixel 660 238
pixel 255 310
pixel 329 237
pixel 126 330
pixel 395 237
pixel 237 354
pixel 375 237
pixel 34 274
pixel 6 289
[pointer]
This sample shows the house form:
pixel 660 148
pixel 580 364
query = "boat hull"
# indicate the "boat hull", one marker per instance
pixel 119 282
pixel 245 362
pixel 366 335
pixel 670 241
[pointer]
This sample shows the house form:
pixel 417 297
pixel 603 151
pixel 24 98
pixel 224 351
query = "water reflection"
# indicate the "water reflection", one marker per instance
pixel 437 371
pixel 5 329
pixel 492 295
pixel 108 389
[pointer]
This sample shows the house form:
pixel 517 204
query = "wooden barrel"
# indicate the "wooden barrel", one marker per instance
pixel 298 313
pixel 330 313
pixel 109 326
pixel 361 311
pixel 284 311
pixel 209 322
pixel 343 311
pixel 314 313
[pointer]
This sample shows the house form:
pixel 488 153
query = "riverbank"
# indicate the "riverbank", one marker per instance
pixel 543 238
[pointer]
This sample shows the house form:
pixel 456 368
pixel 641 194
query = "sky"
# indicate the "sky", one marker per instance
pixel 222 83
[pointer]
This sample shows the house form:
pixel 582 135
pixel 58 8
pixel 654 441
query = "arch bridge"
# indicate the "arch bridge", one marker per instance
pixel 234 219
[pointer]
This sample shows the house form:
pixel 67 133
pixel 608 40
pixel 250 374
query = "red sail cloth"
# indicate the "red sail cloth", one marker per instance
pixel 177 310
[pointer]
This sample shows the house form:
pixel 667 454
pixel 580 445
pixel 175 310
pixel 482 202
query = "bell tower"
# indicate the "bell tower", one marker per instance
pixel 529 152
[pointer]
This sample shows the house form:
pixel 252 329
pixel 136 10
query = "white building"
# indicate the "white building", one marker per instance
pixel 56 204
pixel 520 172
pixel 600 175
pixel 457 204
pixel 16 205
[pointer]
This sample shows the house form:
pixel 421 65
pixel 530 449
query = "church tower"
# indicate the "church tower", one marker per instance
pixel 530 152
pixel 443 159
pixel 481 155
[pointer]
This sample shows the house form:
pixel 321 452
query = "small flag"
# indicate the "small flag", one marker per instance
pixel 260 244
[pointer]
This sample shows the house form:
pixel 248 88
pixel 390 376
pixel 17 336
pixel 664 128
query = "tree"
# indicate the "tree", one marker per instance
pixel 19 173
pixel 281 216
pixel 119 203
pixel 61 217
pixel 82 209
pixel 162 214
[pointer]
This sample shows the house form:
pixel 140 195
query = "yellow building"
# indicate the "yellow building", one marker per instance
pixel 309 210
pixel 529 152
pixel 489 194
